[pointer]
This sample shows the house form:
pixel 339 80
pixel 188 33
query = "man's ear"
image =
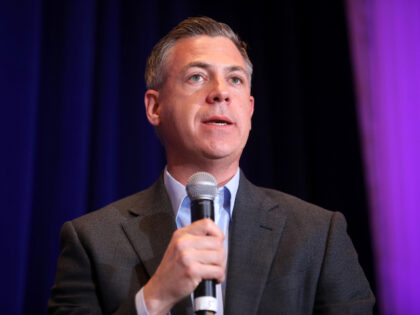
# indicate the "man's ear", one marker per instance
pixel 251 107
pixel 251 103
pixel 151 102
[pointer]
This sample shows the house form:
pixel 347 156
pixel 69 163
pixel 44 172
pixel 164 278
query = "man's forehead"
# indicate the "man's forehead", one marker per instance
pixel 203 51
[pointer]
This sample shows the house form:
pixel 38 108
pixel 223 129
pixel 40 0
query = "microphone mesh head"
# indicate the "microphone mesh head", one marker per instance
pixel 202 185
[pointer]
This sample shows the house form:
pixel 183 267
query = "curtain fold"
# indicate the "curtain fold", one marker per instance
pixel 386 55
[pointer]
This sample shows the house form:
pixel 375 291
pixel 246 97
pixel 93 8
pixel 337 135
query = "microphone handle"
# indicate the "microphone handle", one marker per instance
pixel 205 302
pixel 202 209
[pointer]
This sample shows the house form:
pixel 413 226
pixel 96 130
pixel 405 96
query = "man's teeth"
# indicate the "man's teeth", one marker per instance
pixel 219 123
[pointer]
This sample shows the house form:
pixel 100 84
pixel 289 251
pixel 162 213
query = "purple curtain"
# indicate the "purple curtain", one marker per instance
pixel 385 39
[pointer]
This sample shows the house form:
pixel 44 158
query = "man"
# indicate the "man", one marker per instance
pixel 142 255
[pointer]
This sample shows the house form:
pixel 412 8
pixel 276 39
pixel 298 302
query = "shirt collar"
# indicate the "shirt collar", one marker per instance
pixel 177 192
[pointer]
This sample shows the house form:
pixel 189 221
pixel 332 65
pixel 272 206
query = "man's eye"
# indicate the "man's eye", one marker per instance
pixel 196 78
pixel 236 80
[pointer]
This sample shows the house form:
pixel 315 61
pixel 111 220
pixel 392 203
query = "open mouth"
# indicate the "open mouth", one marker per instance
pixel 218 121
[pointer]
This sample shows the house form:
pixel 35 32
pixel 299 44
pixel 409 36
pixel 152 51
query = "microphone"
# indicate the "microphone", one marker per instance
pixel 202 190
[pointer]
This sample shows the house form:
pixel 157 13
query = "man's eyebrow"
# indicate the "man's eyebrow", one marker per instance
pixel 198 64
pixel 201 64
pixel 237 68
pixel 204 65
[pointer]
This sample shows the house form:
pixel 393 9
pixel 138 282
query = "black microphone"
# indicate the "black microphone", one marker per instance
pixel 202 190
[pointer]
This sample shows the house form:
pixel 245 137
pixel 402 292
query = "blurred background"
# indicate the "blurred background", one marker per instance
pixel 336 123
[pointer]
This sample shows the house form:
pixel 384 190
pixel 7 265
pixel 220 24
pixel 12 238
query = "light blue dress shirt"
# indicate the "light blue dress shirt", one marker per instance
pixel 223 209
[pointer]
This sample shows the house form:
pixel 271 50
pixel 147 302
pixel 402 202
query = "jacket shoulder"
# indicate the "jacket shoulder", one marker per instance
pixel 298 211
pixel 140 203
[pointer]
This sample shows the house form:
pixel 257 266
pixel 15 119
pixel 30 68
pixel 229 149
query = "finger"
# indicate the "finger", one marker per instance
pixel 212 272
pixel 203 271
pixel 189 241
pixel 204 257
pixel 204 227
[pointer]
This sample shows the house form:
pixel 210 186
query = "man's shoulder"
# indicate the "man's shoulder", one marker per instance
pixel 140 203
pixel 293 203
pixel 298 211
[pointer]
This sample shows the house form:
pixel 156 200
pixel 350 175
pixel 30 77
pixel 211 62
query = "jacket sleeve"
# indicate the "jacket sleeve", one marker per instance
pixel 75 290
pixel 342 287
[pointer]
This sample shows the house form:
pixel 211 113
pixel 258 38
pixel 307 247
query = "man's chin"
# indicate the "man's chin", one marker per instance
pixel 220 155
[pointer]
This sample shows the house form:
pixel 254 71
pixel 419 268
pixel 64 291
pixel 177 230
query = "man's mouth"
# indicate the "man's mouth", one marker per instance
pixel 218 121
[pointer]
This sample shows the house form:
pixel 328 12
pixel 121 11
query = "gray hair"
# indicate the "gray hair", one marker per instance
pixel 191 27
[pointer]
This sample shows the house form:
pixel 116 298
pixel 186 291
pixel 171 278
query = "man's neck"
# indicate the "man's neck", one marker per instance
pixel 182 172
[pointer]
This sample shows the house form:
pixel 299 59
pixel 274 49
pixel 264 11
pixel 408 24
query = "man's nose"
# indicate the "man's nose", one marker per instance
pixel 219 92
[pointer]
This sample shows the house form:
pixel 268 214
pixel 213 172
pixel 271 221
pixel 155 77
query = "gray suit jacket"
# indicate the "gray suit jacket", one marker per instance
pixel 286 256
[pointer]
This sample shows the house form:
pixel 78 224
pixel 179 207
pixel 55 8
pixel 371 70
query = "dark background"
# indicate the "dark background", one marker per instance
pixel 74 135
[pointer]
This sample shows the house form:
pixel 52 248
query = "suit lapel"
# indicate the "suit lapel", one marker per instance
pixel 150 230
pixel 255 232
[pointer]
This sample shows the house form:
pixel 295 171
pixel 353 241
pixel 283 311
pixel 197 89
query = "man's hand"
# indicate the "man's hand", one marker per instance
pixel 195 252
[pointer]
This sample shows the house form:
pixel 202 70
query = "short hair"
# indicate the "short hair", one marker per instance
pixel 191 27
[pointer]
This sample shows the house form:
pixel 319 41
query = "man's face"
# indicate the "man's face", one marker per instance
pixel 204 109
